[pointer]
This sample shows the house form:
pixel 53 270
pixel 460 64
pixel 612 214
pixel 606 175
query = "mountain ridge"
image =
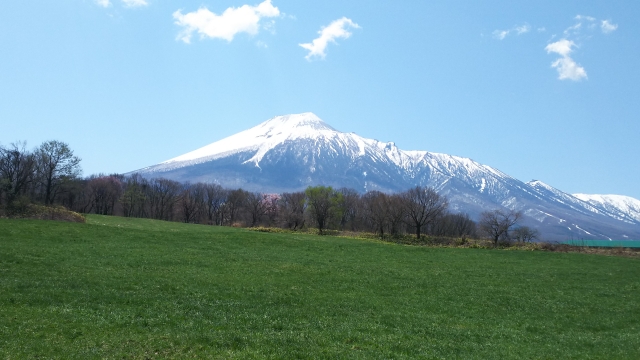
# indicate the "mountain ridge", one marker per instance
pixel 291 152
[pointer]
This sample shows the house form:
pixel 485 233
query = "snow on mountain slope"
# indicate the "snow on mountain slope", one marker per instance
pixel 563 198
pixel 623 206
pixel 262 138
pixel 279 130
pixel 292 152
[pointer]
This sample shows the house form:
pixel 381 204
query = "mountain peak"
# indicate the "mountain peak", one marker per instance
pixel 287 123
pixel 262 137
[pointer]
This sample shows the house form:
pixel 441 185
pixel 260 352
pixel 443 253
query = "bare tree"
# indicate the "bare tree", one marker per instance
pixel 192 201
pixel 56 164
pixel 103 193
pixel 376 209
pixel 234 204
pixel 162 195
pixel 422 206
pixel 17 167
pixel 525 234
pixel 497 223
pixel 458 225
pixel 348 208
pixel 292 207
pixel 256 206
pixel 395 213
pixel 462 225
pixel 215 197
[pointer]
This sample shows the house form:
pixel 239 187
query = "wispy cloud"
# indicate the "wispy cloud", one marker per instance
pixel 500 34
pixel 245 18
pixel 518 30
pixel 135 3
pixel 583 28
pixel 573 30
pixel 523 29
pixel 608 27
pixel 589 23
pixel 103 3
pixel 336 30
pixel 125 3
pixel 567 68
pixel 585 17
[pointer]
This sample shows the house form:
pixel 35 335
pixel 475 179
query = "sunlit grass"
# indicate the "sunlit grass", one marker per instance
pixel 133 288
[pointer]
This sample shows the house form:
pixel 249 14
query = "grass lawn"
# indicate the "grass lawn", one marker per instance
pixel 134 289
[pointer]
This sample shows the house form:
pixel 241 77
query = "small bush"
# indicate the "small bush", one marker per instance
pixel 39 212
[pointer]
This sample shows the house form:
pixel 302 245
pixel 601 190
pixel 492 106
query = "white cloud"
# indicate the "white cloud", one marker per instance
pixel 336 30
pixel 135 3
pixel 245 18
pixel 562 47
pixel 567 68
pixel 608 27
pixel 103 3
pixel 519 30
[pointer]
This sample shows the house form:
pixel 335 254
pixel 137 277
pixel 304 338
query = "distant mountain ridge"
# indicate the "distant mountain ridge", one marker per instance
pixel 619 205
pixel 291 152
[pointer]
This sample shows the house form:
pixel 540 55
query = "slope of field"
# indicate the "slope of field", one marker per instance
pixel 131 288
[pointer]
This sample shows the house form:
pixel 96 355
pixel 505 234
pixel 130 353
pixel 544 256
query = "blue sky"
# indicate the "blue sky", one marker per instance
pixel 544 90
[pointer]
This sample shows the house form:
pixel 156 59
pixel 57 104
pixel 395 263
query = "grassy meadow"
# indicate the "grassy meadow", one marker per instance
pixel 139 289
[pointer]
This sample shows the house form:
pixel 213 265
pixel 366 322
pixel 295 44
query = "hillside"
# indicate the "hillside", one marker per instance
pixel 132 288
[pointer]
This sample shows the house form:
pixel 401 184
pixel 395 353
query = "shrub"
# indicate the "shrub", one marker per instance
pixel 39 212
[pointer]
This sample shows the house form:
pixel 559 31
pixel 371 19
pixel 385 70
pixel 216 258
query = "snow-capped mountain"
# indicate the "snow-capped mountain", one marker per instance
pixel 623 207
pixel 291 152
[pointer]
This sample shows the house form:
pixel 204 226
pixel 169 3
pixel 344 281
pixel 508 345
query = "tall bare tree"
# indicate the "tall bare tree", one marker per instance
pixel 235 204
pixel 255 204
pixel 104 192
pixel 395 213
pixel 17 168
pixel 162 194
pixel 193 201
pixel 349 206
pixel 215 197
pixel 497 223
pixel 422 205
pixel 292 207
pixel 376 209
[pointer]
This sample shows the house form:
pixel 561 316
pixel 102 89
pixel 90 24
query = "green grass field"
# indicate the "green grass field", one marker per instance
pixel 137 289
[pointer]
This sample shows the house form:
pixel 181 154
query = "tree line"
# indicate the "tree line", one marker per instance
pixel 50 175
